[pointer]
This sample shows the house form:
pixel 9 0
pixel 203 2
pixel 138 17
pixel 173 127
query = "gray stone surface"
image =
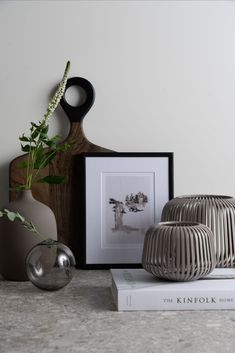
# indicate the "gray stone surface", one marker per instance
pixel 82 318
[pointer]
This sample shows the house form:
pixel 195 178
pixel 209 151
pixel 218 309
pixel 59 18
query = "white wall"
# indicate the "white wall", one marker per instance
pixel 163 71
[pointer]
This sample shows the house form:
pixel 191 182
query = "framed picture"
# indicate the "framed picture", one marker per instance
pixel 124 194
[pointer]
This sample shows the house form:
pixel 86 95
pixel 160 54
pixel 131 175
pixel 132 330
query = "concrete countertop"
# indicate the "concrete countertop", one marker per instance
pixel 82 318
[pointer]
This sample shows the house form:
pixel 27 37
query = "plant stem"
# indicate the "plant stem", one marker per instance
pixel 38 135
pixel 12 216
pixel 39 168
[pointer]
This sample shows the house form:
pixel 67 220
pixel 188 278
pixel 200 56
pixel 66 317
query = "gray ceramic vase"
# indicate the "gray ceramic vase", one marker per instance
pixel 16 241
pixel 215 211
pixel 179 251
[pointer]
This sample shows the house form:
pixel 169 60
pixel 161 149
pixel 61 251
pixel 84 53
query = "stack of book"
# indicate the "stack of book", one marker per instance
pixel 136 289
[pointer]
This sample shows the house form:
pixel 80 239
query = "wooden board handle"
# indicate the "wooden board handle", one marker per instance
pixel 76 114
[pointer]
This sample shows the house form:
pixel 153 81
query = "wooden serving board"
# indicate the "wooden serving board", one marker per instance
pixel 61 198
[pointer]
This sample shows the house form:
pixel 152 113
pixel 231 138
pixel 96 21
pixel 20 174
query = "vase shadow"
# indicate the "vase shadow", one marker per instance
pixel 4 182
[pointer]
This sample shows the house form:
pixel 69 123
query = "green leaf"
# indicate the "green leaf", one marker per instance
pixel 19 217
pixel 56 138
pixel 64 147
pixel 1 214
pixel 10 215
pixel 25 148
pixel 23 138
pixel 35 134
pixel 38 139
pixel 33 125
pixel 50 156
pixel 39 156
pixel 53 179
pixel 39 130
pixel 23 165
pixel 52 143
pixel 44 129
pixel 43 158
pixel 43 138
pixel 18 188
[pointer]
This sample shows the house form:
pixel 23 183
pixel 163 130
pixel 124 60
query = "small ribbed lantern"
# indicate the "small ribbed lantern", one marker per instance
pixel 215 211
pixel 179 251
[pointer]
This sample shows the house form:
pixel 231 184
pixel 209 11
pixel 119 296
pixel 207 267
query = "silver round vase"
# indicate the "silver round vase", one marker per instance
pixel 179 251
pixel 215 211
pixel 50 265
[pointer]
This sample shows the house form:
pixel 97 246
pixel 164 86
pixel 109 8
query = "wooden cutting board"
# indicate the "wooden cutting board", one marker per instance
pixel 63 199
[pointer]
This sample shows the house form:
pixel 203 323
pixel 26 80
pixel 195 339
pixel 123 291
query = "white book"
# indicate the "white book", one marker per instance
pixel 136 289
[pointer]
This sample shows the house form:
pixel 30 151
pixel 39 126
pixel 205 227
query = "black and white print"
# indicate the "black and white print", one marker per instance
pixel 127 208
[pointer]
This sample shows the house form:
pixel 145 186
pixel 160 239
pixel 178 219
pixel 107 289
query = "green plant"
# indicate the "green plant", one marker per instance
pixel 42 149
pixel 15 216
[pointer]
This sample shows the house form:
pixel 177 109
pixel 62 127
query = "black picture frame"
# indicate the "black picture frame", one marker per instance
pixel 114 174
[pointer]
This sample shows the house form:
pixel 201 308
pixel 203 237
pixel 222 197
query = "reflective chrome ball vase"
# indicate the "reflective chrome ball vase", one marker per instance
pixel 179 251
pixel 215 211
pixel 50 265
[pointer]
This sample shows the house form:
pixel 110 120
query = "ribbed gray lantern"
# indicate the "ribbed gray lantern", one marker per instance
pixel 179 251
pixel 215 211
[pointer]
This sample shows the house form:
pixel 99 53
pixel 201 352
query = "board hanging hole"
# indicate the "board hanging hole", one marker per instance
pixel 75 96
pixel 78 100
